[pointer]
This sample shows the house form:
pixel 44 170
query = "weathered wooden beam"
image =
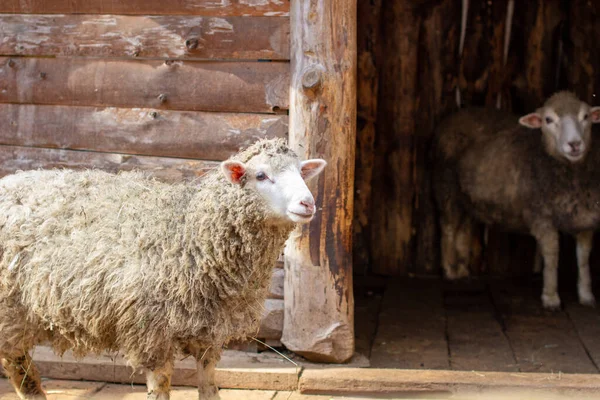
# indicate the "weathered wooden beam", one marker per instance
pixel 149 7
pixel 319 319
pixel 175 85
pixel 142 131
pixel 15 158
pixel 176 37
pixel 438 70
pixel 368 21
pixel 394 182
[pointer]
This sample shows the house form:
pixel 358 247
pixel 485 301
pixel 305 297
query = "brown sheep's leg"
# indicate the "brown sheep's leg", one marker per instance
pixel 548 242
pixel 158 382
pixel 23 375
pixel 206 364
pixel 449 231
pixel 584 285
pixel 538 262
pixel 464 247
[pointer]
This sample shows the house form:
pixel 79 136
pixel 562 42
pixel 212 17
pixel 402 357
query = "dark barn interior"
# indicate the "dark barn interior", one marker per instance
pixel 411 64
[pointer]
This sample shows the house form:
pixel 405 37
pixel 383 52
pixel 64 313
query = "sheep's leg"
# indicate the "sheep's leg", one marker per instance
pixel 548 242
pixel 23 375
pixel 463 246
pixel 538 262
pixel 206 364
pixel 158 382
pixel 584 285
pixel 449 233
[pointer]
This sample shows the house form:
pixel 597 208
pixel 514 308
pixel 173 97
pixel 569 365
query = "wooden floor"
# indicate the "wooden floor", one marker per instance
pixel 475 326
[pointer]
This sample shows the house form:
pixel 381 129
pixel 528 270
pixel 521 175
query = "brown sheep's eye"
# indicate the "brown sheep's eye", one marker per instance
pixel 549 120
pixel 585 117
pixel 261 176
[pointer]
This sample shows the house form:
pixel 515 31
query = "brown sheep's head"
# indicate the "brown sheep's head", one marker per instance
pixel 566 124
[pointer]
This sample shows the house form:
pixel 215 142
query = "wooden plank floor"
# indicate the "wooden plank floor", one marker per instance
pixel 482 326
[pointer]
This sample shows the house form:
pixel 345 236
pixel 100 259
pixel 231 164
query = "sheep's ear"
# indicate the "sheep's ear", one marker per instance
pixel 595 115
pixel 311 168
pixel 533 120
pixel 233 170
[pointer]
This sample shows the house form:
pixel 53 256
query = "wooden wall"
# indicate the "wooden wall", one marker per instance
pixel 409 69
pixel 167 87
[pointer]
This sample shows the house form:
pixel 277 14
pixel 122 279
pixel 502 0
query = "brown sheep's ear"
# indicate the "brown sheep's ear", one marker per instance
pixel 533 120
pixel 233 171
pixel 595 115
pixel 311 168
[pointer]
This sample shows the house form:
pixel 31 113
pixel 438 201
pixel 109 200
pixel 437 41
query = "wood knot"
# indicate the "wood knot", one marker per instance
pixel 191 43
pixel 43 75
pixel 312 79
pixel 11 63
pixel 162 97
pixel 153 114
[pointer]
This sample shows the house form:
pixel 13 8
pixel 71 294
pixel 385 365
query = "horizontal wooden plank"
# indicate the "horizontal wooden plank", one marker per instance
pixel 181 37
pixel 149 7
pixel 14 158
pixel 175 85
pixel 372 382
pixel 236 370
pixel 186 134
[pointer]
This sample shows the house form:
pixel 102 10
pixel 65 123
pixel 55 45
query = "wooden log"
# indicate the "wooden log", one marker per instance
pixel 14 158
pixel 394 182
pixel 369 15
pixel 181 85
pixel 541 23
pixel 320 326
pixel 173 37
pixel 438 70
pixel 186 134
pixel 582 50
pixel 217 8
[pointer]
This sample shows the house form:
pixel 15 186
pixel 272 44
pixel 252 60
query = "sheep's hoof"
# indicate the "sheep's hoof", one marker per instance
pixel 454 274
pixel 551 302
pixel 208 393
pixel 587 299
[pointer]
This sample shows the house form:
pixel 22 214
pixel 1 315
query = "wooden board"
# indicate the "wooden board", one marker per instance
pixel 475 337
pixel 236 370
pixel 176 37
pixel 147 7
pixel 586 321
pixel 200 135
pixel 13 158
pixel 466 385
pixel 411 333
pixel 542 341
pixel 181 85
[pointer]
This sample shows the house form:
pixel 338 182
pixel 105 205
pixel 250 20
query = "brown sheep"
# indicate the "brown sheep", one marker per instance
pixel 523 182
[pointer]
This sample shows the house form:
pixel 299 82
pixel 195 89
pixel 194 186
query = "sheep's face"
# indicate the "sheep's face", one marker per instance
pixel 282 185
pixel 566 124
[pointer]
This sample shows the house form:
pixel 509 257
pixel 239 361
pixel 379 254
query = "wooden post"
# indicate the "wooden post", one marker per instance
pixel 319 303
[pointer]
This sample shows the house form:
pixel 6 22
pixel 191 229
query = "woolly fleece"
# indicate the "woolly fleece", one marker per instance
pixel 93 261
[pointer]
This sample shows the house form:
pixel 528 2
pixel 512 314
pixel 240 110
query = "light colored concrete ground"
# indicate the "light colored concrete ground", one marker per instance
pixel 72 390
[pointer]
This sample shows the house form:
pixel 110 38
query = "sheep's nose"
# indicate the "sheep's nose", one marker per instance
pixel 575 145
pixel 309 204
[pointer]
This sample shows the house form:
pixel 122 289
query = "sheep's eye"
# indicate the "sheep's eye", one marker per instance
pixel 261 176
pixel 549 120
pixel 585 117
